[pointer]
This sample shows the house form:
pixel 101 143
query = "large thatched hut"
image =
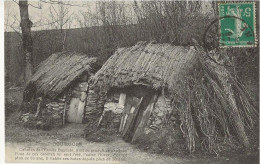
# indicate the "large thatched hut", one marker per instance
pixel 60 87
pixel 164 89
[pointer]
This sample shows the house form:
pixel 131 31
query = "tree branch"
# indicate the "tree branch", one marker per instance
pixel 15 31
pixel 37 7
pixel 45 24
pixel 15 2
pixel 58 2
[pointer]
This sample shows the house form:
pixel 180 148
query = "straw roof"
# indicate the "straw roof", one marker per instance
pixel 57 72
pixel 153 65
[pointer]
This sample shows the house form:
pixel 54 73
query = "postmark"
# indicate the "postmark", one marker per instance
pixel 237 24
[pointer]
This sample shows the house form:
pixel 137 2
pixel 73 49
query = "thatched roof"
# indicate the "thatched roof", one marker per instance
pixel 57 72
pixel 154 65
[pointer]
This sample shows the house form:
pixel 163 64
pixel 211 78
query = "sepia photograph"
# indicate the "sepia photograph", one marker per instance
pixel 131 81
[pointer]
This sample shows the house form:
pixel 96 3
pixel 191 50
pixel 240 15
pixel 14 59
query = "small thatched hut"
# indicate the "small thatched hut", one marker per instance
pixel 61 84
pixel 165 89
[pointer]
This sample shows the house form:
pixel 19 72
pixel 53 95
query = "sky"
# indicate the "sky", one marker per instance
pixel 41 18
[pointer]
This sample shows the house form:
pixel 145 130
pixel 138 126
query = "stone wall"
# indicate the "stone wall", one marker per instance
pixel 161 114
pixel 95 104
pixel 54 111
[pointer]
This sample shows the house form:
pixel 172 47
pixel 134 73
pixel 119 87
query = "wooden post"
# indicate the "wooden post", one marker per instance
pixel 38 107
pixel 64 112
pixel 121 122
pixel 100 119
pixel 121 102
pixel 122 99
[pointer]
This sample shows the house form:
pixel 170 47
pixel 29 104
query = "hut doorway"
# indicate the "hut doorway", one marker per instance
pixel 137 109
pixel 77 103
pixel 129 116
pixel 140 117
pixel 75 112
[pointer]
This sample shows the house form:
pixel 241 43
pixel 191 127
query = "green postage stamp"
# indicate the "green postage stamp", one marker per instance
pixel 237 24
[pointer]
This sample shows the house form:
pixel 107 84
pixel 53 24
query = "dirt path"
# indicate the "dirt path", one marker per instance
pixel 20 140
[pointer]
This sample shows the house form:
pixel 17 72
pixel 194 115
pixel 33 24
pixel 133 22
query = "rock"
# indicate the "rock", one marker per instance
pixel 160 114
pixel 154 127
pixel 39 123
pixel 173 118
pixel 54 104
pixel 57 109
pixel 158 122
pixel 156 110
pixel 61 100
pixel 147 130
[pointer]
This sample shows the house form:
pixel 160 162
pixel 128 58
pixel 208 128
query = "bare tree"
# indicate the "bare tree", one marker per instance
pixel 166 21
pixel 61 18
pixel 25 25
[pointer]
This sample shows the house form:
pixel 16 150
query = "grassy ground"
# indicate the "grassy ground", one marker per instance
pixel 18 137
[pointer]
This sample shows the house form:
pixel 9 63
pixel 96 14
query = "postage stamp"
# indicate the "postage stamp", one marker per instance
pixel 237 24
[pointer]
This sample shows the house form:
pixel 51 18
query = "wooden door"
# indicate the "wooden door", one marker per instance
pixel 144 117
pixel 129 115
pixel 73 113
pixel 77 106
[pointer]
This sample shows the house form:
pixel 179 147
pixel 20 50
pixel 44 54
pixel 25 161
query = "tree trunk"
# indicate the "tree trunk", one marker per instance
pixel 26 25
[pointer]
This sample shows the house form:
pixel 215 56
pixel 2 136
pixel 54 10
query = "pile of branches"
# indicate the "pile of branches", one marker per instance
pixel 215 109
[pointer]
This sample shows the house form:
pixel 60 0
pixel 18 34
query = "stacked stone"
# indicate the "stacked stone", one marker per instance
pixel 55 111
pixel 118 114
pixel 116 120
pixel 101 101
pixel 113 112
pixel 91 105
pixel 161 109
pixel 117 117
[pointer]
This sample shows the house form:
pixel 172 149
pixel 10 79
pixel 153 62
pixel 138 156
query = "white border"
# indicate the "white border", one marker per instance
pixel 2 105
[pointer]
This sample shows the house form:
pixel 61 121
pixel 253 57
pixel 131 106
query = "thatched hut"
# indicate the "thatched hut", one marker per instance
pixel 177 88
pixel 61 84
